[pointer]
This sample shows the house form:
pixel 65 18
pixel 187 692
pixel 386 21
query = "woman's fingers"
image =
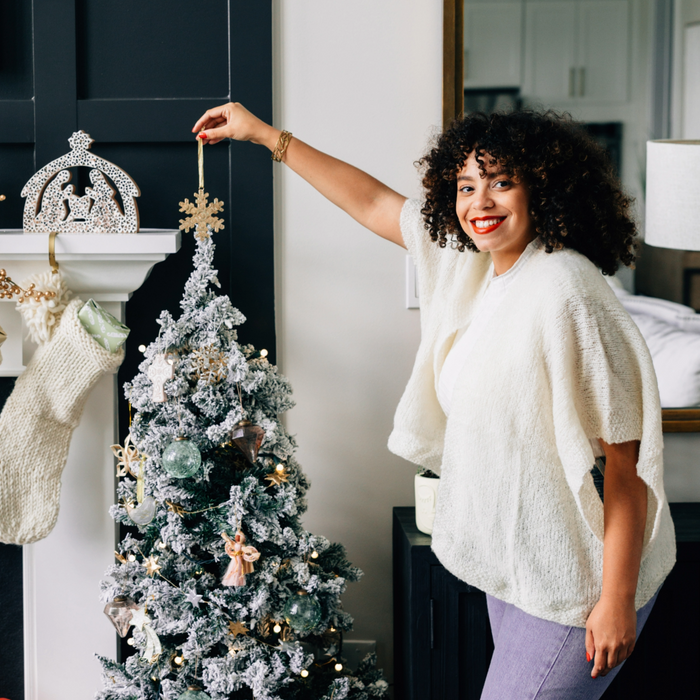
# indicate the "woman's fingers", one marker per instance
pixel 213 136
pixel 213 115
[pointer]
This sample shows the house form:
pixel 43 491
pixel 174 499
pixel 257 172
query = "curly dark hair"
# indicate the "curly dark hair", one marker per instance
pixel 576 200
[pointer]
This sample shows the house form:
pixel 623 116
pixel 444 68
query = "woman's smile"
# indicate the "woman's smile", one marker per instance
pixel 486 224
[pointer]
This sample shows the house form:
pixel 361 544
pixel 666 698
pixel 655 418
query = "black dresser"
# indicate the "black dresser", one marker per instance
pixel 442 638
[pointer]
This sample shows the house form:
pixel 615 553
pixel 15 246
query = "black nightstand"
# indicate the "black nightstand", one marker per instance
pixel 442 638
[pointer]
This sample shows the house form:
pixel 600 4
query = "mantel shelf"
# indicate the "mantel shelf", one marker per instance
pixel 106 267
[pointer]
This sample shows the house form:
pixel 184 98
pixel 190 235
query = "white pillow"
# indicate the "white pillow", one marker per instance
pixel 676 357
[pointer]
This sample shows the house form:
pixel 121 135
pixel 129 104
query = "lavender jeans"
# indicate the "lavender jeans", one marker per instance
pixel 539 660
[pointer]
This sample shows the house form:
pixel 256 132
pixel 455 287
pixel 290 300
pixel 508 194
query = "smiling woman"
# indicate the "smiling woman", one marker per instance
pixel 529 372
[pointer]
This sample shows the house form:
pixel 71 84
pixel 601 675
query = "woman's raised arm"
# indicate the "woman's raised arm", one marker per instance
pixel 370 202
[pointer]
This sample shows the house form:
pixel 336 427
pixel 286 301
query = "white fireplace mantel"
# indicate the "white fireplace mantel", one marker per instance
pixel 64 626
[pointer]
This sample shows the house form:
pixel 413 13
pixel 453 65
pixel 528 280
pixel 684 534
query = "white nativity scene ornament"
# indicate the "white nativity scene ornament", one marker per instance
pixel 53 205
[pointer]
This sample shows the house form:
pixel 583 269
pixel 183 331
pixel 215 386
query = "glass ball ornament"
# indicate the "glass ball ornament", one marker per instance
pixel 181 458
pixel 119 612
pixel 194 693
pixel 144 512
pixel 302 612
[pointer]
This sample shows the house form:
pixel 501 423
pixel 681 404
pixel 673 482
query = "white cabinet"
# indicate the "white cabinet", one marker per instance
pixel 493 44
pixel 577 50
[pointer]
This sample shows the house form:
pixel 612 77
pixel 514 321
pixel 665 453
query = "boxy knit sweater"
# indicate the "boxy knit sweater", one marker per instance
pixel 559 362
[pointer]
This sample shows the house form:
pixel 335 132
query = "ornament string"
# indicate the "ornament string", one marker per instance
pixel 200 162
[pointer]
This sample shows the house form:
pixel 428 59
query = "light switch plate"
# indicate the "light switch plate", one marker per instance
pixel 412 301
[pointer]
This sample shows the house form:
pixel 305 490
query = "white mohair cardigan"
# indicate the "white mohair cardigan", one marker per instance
pixel 560 361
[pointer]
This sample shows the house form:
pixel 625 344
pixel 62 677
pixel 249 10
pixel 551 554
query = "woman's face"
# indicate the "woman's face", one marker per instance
pixel 493 209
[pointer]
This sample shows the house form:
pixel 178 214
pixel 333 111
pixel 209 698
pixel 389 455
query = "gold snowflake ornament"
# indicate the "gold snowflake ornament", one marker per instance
pixel 210 364
pixel 201 214
pixel 126 456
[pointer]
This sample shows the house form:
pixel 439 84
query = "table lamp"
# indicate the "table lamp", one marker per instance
pixel 673 195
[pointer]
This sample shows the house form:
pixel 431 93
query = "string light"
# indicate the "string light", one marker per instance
pixel 339 667
pixel 178 660
pixel 332 629
pixel 280 468
pixel 161 545
pixel 130 641
pixel 277 628
pixel 132 557
pixel 304 673
pixel 142 349
pixel 263 353
pixel 314 554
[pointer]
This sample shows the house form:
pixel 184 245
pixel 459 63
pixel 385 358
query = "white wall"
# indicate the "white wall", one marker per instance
pixel 361 81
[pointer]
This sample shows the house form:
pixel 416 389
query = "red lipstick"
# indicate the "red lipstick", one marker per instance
pixel 499 220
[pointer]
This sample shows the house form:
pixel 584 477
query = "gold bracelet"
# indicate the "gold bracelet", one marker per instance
pixel 281 146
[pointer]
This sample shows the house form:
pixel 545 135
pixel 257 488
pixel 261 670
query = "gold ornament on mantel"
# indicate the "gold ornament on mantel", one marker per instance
pixel 52 203
pixel 201 215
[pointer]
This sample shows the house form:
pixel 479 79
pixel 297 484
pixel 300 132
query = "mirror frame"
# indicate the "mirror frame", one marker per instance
pixel 675 420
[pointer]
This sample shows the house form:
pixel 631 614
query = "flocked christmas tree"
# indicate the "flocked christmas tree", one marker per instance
pixel 222 592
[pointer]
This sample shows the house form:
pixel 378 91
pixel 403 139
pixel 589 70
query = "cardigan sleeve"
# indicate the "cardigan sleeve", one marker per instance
pixel 604 386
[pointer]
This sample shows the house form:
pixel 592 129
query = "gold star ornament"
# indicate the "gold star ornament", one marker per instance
pixel 201 214
pixel 151 565
pixel 277 477
pixel 236 628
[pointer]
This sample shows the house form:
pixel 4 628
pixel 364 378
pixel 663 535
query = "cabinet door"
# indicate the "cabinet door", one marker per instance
pixel 493 44
pixel 602 28
pixel 549 51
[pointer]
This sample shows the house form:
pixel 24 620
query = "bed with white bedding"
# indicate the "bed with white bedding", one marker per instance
pixel 672 332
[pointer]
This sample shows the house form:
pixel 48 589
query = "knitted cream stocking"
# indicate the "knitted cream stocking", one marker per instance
pixel 37 422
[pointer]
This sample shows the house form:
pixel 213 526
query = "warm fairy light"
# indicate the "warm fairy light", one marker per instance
pixel 314 554
pixel 132 557
pixel 161 545
pixel 339 667
pixel 332 629
pixel 154 679
pixel 280 468
pixel 304 673
pixel 277 628
pixel 130 641
pixel 178 660
pixel 142 348
pixel 263 353
pixel 232 652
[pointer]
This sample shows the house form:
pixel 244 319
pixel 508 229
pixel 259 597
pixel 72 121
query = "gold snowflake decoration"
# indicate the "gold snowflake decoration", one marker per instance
pixel 126 456
pixel 201 214
pixel 210 364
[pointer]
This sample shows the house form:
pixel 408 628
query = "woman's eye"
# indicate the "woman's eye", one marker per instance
pixel 466 188
pixel 502 183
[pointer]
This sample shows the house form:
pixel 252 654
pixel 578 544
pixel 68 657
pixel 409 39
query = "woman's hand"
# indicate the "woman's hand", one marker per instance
pixel 611 633
pixel 234 121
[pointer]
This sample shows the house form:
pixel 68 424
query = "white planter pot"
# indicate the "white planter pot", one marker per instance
pixel 426 498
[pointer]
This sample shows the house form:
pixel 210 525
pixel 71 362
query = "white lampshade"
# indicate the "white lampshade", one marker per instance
pixel 673 195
